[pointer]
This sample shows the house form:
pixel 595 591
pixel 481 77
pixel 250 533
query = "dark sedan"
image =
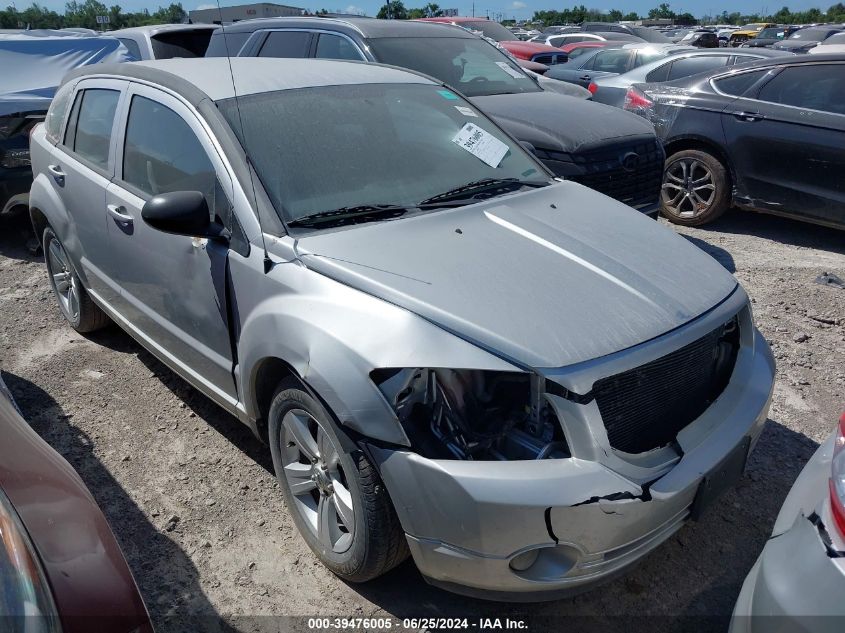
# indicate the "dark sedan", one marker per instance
pixel 767 136
pixel 803 40
pixel 61 568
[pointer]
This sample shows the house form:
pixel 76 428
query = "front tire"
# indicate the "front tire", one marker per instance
pixel 337 500
pixel 74 303
pixel 696 188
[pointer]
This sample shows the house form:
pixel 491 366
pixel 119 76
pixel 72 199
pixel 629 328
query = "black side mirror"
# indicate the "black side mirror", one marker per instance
pixel 182 213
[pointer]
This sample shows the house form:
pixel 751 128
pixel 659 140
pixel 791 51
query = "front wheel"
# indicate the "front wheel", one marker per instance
pixel 696 188
pixel 336 498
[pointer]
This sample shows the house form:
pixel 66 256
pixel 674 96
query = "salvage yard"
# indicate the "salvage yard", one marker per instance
pixel 191 497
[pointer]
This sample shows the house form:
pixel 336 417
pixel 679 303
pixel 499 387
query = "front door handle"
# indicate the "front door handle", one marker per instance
pixel 585 77
pixel 119 214
pixel 58 174
pixel 750 117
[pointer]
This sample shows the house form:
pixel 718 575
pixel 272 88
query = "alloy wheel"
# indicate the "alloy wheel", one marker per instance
pixel 688 188
pixel 64 280
pixel 313 472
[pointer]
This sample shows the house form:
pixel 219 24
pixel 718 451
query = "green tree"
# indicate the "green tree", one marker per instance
pixel 393 11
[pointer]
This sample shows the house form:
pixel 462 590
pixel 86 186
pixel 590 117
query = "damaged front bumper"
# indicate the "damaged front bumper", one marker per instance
pixel 541 529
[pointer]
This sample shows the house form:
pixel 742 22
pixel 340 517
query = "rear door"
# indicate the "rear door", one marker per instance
pixel 173 287
pixel 81 168
pixel 788 143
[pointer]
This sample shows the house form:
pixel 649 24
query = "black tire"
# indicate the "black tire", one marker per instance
pixel 377 542
pixel 683 203
pixel 85 316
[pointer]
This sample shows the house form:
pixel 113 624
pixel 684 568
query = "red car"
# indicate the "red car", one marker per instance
pixel 530 51
pixel 60 564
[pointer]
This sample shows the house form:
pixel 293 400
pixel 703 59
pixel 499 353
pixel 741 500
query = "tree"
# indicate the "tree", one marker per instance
pixel 663 12
pixel 393 11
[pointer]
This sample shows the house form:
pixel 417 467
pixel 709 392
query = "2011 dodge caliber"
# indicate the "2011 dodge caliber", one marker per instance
pixel 448 351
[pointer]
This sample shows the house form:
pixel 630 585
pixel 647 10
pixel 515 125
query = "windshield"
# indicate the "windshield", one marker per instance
pixel 472 65
pixel 810 35
pixel 336 147
pixel 770 33
pixel 493 30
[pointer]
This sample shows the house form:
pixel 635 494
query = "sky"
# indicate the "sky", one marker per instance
pixel 519 9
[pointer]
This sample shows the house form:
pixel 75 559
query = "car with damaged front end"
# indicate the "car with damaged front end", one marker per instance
pixel 449 351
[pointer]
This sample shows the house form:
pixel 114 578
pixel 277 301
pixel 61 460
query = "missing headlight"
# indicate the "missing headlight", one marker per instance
pixel 473 414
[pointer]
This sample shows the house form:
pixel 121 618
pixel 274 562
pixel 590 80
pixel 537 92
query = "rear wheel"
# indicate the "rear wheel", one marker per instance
pixel 696 188
pixel 75 304
pixel 336 498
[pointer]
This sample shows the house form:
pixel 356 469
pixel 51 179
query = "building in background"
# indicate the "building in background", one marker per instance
pixel 243 12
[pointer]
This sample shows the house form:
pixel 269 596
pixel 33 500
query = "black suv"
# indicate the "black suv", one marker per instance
pixel 599 146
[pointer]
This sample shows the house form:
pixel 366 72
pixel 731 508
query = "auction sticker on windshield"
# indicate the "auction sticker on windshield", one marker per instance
pixel 466 111
pixel 481 144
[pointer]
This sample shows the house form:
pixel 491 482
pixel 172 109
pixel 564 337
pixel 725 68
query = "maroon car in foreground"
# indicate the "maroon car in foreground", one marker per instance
pixel 61 569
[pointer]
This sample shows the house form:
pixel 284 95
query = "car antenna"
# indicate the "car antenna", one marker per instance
pixel 268 263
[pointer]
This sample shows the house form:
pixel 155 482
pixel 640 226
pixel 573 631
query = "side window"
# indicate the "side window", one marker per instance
pixel 89 129
pixel 694 65
pixel 661 73
pixel 738 85
pixel 56 114
pixel 336 47
pixel 744 59
pixel 612 61
pixel 817 87
pixel 286 44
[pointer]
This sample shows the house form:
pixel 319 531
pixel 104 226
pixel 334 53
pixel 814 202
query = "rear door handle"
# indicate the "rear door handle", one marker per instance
pixel 58 174
pixel 119 214
pixel 750 117
pixel 585 77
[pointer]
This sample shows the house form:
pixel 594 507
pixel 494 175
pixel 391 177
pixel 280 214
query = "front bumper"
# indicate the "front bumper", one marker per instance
pixel 795 585
pixel 466 521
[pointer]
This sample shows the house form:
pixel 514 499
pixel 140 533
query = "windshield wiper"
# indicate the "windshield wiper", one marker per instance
pixel 477 186
pixel 351 215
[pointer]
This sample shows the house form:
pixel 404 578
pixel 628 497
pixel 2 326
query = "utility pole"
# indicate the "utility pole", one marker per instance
pixel 473 9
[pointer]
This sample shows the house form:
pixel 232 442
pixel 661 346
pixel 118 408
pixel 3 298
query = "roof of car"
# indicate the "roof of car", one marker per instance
pixel 197 79
pixel 365 27
pixel 158 28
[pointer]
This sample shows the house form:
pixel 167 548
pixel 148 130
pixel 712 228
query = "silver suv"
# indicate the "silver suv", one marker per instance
pixel 448 351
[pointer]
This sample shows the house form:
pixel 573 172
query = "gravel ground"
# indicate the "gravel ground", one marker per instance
pixel 191 496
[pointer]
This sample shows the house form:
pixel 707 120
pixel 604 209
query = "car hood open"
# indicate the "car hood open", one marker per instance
pixel 556 122
pixel 538 285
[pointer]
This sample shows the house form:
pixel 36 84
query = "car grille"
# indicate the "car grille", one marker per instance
pixel 645 408
pixel 604 171
pixel 550 59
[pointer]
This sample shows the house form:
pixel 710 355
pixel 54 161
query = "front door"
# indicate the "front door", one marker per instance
pixel 173 288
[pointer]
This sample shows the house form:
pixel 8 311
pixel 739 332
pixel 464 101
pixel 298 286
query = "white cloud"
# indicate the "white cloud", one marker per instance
pixel 354 10
pixel 206 6
pixel 518 5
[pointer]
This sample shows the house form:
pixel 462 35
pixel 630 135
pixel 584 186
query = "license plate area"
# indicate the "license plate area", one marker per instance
pixel 726 473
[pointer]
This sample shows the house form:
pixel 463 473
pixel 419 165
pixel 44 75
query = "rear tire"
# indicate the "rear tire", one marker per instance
pixel 336 499
pixel 76 306
pixel 696 188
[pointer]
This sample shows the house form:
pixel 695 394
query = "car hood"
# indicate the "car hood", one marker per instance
pixel 557 122
pixel 528 48
pixel 543 278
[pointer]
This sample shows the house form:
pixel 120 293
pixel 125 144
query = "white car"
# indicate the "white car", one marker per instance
pixel 833 44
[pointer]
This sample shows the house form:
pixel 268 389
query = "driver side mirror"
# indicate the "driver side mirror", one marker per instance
pixel 182 213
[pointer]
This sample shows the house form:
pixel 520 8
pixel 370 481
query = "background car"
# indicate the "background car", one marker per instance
pixel 700 39
pixel 576 139
pixel 611 89
pixel 642 32
pixel 60 564
pixel 164 41
pixel 581 48
pixel 799 578
pixel 589 67
pixel 805 39
pixel 532 51
pixel 834 44
pixel 567 38
pixel 747 32
pixel 770 36
pixel 767 136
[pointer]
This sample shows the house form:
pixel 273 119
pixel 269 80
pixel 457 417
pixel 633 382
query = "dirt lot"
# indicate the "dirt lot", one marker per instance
pixel 191 496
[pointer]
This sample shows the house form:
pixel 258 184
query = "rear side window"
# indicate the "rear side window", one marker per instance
pixel 89 130
pixel 738 85
pixel 181 43
pixel 336 47
pixel 226 44
pixel 694 65
pixel 286 44
pixel 661 73
pixel 816 87
pixel 161 153
pixel 56 113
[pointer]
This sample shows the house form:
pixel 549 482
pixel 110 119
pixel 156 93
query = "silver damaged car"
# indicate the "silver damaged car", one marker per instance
pixel 525 384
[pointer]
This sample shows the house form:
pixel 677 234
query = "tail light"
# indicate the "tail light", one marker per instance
pixel 837 479
pixel 636 99
pixel 593 88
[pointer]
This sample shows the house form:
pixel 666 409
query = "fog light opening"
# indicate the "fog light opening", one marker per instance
pixel 524 561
